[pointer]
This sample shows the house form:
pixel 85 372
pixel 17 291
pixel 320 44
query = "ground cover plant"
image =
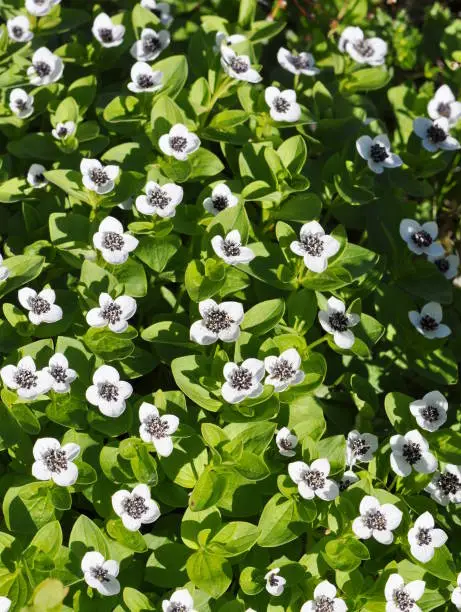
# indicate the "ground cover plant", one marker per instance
pixel 230 327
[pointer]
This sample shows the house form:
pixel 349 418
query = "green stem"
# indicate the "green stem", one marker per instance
pixel 317 342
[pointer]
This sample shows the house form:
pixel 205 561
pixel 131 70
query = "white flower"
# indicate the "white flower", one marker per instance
pixel 435 134
pixel 448 265
pixel 41 306
pixel 150 45
pixel 243 380
pixel 100 574
pixel 411 451
pixel 315 246
pixel 19 29
pixel 347 480
pixel 144 79
pixel 160 200
pixel 430 411
pixel 25 380
pixel 282 104
pixel 64 130
pixel 297 63
pixel 376 520
pixel 97 177
pixel 325 600
pixel 46 67
pixel 180 600
pixel 286 442
pixel 55 462
pixel 313 480
pixel 424 538
pixel 401 597
pixel 219 321
pixel 377 152
pixel 35 176
pixel 363 50
pixel 230 249
pixel 135 507
pixel 221 198
pixel 108 392
pixel 275 584
pixel 61 375
pixel 428 321
pixel 421 238
pixel 360 447
pixel 160 9
pixel 106 32
pixel 179 142
pixel 39 8
pixel 238 66
pixel 114 244
pixel 445 486
pixel 336 321
pixel 114 313
pixel 4 271
pixel 227 39
pixel 5 603
pixel 21 104
pixel 456 594
pixel 156 429
pixel 283 371
pixel 444 104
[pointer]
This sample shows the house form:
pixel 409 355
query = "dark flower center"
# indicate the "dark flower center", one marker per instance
pixel 436 134
pixel 286 443
pixel 428 323
pixel 106 35
pixel 100 574
pixel 62 132
pixel 58 373
pixel 444 109
pixel 344 483
pixel 26 378
pixel 424 537
pixel 442 264
pixel 98 176
pixel 430 413
pixel 134 506
pixel 299 61
pixel 150 44
pixel 112 313
pixel 280 104
pixel 378 153
pixel 283 370
pixel 273 580
pixel 156 427
pixel 402 600
pixel 17 31
pixel 220 203
pixel 230 248
pixel 338 321
pixel 177 607
pixel 42 69
pixel 241 379
pixel 217 320
pixel 112 241
pixel 55 460
pixel 422 239
pixel 178 143
pixel 324 604
pixel 238 65
pixel 364 48
pixel 449 483
pixel 412 452
pixel 108 391
pixel 158 198
pixel 314 479
pixel 38 305
pixel 359 446
pixel 39 178
pixel 21 104
pixel 145 81
pixel 374 519
pixel 312 244
pixel 40 2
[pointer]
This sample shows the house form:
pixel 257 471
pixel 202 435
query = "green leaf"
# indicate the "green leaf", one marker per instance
pixel 293 153
pixel 69 181
pixel 175 71
pixel 22 269
pixel 211 573
pixel 85 536
pixel 233 539
pixel 263 317
pixel 366 79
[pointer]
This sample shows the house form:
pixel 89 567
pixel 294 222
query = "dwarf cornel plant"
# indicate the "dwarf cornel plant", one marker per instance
pixel 230 330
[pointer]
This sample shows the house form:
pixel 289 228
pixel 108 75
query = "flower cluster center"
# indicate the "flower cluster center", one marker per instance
pixel 442 264
pixel 42 69
pixel 38 305
pixel 26 379
pixel 62 132
pixel 428 323
pixel 359 446
pixel 55 460
pixel 241 379
pixel 238 65
pixel 58 373
pixel 449 483
pixel 21 104
pixel 314 479
pixel 112 313
pixel 273 580
pixel 231 248
pixel 156 427
pixel 145 81
pixel 324 604
pixel 283 370
pixel 150 44
pixel 422 238
pixel 220 203
pixel 299 61
pixel 178 143
pixel 135 506
pixel 312 244
pixel 402 600
pixel 338 321
pixel 108 391
pixel 17 31
pixel 378 153
pixel 430 413
pixel 177 607
pixel 364 48
pixel 444 109
pixel 286 443
pixel 436 134
pixel 158 198
pixel 424 537
pixel 113 241
pixel 217 320
pixel 100 574
pixel 106 35
pixel 412 452
pixel 375 519
pixel 98 176
pixel 281 104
